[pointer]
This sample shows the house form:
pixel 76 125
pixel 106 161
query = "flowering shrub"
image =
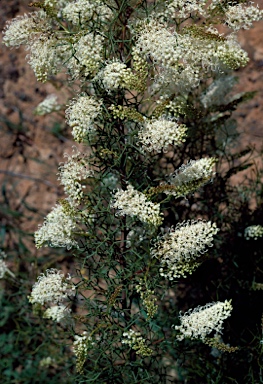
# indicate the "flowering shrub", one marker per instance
pixel 151 77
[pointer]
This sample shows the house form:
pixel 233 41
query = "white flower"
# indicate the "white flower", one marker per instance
pixel 163 46
pixel 130 337
pixel 199 322
pixel 116 75
pixel 81 347
pixel 134 203
pixel 43 57
pixel 253 232
pixel 238 16
pixel 57 313
pixel 23 29
pixel 72 173
pixel 81 116
pixel 189 177
pixel 183 9
pixel 87 56
pixel 157 135
pixel 48 105
pixel 57 230
pixel 136 342
pixel 188 56
pixel 51 287
pixel 80 12
pixel 179 249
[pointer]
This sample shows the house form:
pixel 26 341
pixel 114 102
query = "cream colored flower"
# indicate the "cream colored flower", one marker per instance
pixel 199 322
pixel 134 203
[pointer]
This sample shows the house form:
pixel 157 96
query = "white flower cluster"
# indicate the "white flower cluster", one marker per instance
pixel 81 346
pixel 182 9
pixel 22 29
pixel 87 56
pixel 182 58
pixel 216 93
pixel 81 116
pixel 158 134
pixel 43 57
pixel 135 203
pixel 253 232
pixel 72 173
pixel 51 287
pixel 57 313
pixel 179 249
pixel 165 47
pixel 190 177
pixel 238 16
pixel 48 105
pixel 57 230
pixel 199 322
pixel 136 342
pixel 116 75
pixel 81 12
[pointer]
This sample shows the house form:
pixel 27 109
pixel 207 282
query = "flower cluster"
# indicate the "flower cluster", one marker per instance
pixel 57 229
pixel 179 249
pixel 57 313
pixel 72 173
pixel 49 105
pixel 117 75
pixel 82 344
pixel 199 322
pixel 136 342
pixel 81 12
pixel 238 16
pixel 148 300
pixel 134 203
pixel 81 116
pixel 43 57
pixel 253 232
pixel 51 287
pixel 157 135
pixel 189 177
pixel 87 56
pixel 23 29
pixel 182 59
pixel 182 9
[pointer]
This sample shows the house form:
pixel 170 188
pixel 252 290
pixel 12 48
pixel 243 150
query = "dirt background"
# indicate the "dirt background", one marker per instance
pixel 31 147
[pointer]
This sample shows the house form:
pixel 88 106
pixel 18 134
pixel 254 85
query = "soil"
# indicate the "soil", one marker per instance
pixel 32 147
